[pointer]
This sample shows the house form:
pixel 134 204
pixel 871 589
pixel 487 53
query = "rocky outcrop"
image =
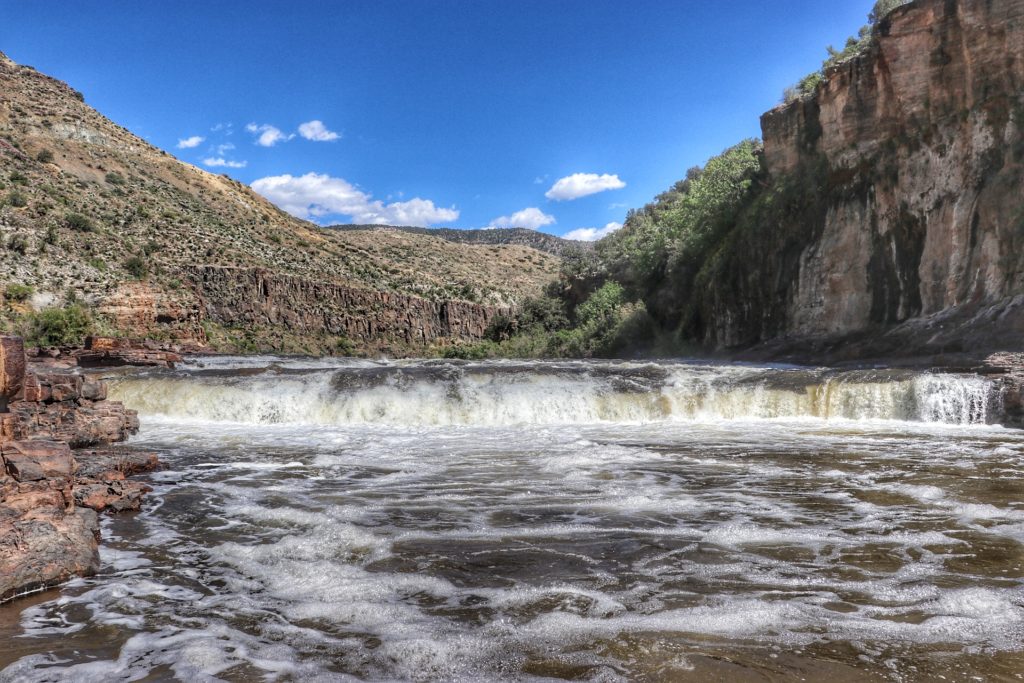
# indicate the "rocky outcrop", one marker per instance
pixel 49 494
pixel 909 163
pixel 109 352
pixel 138 308
pixel 253 297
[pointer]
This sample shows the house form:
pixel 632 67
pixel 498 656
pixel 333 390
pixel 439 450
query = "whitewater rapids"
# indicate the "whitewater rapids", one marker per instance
pixel 329 520
pixel 444 393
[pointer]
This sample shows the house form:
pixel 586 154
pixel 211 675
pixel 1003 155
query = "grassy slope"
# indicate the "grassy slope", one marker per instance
pixel 58 157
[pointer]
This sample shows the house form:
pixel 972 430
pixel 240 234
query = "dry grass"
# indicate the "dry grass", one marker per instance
pixel 144 202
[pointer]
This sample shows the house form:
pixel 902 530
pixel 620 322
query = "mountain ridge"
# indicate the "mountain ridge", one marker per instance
pixel 541 241
pixel 91 213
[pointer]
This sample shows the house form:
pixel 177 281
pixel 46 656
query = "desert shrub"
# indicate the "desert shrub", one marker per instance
pixel 78 222
pixel 60 326
pixel 500 328
pixel 16 199
pixel 18 244
pixel 115 178
pixel 478 351
pixel 16 292
pixel 137 267
pixel 344 346
pixel 18 178
pixel 45 156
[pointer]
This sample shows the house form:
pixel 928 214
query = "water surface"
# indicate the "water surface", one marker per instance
pixel 439 521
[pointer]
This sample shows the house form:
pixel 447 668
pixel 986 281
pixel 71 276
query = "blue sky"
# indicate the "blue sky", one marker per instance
pixel 444 112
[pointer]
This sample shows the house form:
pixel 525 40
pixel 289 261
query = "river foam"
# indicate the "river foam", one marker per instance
pixel 447 522
pixel 505 393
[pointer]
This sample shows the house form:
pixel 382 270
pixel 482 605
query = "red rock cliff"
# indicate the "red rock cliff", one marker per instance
pixel 918 148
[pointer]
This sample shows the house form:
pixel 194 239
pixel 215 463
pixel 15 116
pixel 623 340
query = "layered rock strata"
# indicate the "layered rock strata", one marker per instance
pixel 50 494
pixel 908 165
pixel 254 297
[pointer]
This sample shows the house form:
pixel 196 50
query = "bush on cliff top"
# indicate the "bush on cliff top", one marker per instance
pixel 854 46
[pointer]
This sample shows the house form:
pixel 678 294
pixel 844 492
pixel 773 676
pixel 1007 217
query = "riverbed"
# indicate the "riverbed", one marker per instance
pixel 603 521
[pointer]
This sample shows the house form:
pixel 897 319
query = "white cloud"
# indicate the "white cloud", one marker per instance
pixel 317 132
pixel 226 163
pixel 267 135
pixel 315 195
pixel 582 184
pixel 224 149
pixel 189 143
pixel 530 218
pixel 591 234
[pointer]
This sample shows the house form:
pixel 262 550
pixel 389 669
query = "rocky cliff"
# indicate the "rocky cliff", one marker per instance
pixel 907 168
pixel 50 494
pixel 266 301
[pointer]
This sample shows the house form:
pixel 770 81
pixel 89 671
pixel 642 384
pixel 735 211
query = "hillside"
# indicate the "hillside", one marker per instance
pixel 159 248
pixel 541 241
pixel 881 216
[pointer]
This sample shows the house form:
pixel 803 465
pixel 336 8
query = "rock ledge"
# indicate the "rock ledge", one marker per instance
pixel 50 494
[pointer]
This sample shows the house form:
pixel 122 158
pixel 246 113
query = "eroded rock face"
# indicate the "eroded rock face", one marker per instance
pixel 139 308
pixel 915 151
pixel 254 297
pixel 12 365
pixel 110 352
pixel 49 494
pixel 37 460
pixel 45 546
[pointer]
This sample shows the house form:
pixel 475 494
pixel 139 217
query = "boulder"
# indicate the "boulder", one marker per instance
pixel 41 549
pixel 114 495
pixel 62 386
pixel 37 460
pixel 113 463
pixel 110 352
pixel 94 390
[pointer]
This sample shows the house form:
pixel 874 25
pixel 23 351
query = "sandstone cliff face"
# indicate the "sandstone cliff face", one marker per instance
pixel 252 297
pixel 918 149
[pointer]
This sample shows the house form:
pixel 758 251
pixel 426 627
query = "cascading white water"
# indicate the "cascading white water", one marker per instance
pixel 604 521
pixel 498 394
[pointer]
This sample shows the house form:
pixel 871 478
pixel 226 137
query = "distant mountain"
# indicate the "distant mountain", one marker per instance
pixel 155 247
pixel 540 241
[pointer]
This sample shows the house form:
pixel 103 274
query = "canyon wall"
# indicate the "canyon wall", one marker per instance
pixel 908 163
pixel 253 297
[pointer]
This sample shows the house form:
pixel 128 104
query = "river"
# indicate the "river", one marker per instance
pixel 599 521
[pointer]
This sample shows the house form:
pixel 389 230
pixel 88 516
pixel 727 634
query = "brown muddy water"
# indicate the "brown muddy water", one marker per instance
pixel 439 521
